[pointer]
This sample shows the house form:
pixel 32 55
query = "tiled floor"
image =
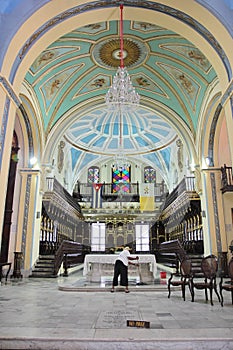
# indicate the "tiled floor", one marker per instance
pixel 69 313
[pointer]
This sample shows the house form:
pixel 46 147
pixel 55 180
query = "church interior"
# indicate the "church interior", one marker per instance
pixel 116 130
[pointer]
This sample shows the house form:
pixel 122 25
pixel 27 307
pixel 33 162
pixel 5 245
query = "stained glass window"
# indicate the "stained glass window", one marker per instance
pixel 93 175
pixel 149 175
pixel 121 180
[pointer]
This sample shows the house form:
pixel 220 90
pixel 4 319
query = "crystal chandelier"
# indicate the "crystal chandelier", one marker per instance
pixel 122 95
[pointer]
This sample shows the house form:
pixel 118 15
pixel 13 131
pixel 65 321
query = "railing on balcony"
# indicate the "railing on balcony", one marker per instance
pixel 227 179
pixel 127 192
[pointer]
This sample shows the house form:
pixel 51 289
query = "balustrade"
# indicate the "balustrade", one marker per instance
pixel 227 179
pixel 84 192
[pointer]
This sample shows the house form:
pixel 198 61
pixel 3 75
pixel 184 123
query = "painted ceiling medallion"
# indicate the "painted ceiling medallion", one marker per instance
pixel 107 53
pixel 110 53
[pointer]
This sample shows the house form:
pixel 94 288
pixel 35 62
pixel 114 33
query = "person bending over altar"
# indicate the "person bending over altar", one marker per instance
pixel 121 269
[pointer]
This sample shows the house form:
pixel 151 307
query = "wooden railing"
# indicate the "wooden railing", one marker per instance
pixel 62 254
pixel 2 265
pixel 50 236
pixel 54 186
pixel 227 179
pixel 60 217
pixel 172 253
pixel 187 184
pixel 84 192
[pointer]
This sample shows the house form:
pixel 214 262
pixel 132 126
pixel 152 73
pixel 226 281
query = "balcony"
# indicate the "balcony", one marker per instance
pixel 117 206
pixel 227 179
pixel 127 192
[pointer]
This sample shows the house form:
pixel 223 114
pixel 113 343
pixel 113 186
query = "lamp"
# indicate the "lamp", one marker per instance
pixel 33 161
pixel 122 94
pixel 121 97
pixel 209 161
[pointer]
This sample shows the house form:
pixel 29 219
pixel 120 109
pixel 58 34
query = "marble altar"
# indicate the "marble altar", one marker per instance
pixel 99 265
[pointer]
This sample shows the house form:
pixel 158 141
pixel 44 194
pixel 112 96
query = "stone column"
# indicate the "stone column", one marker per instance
pixel 213 210
pixel 17 265
pixel 7 120
pixel 28 233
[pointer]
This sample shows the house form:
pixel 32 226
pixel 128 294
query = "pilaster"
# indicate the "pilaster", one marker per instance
pixel 28 232
pixel 8 108
pixel 213 213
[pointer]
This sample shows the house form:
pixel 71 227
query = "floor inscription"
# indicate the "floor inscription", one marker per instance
pixel 116 319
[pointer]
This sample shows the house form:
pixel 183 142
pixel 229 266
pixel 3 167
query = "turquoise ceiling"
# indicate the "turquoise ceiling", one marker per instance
pixel 77 70
pixel 168 70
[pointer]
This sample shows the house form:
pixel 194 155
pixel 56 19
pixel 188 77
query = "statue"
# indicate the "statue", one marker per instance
pixel 60 156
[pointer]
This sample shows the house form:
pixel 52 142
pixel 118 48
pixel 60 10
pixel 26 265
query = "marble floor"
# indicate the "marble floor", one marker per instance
pixel 71 313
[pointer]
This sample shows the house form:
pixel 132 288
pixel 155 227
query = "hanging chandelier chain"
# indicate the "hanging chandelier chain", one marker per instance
pixel 121 38
pixel 122 95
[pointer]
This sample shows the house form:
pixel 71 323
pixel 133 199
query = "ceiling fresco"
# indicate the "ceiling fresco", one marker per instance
pixel 78 68
pixel 164 68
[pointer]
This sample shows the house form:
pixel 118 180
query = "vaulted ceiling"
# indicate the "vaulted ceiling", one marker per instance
pixel 70 78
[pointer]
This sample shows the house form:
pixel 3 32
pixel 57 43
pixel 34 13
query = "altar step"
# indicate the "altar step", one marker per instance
pixel 132 289
pixel 159 343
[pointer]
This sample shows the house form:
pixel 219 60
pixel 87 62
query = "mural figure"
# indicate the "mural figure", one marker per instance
pixel 55 85
pixel 93 26
pixel 99 82
pixel 142 81
pixel 146 26
pixel 198 56
pixel 46 57
pixel 186 83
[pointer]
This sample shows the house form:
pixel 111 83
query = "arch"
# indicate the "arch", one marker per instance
pixel 49 23
pixel 49 20
pixel 58 131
